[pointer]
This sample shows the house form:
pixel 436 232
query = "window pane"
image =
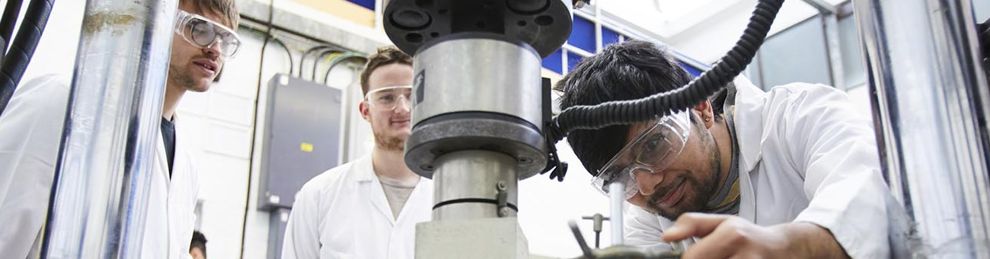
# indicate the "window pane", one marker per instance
pixel 609 36
pixel 370 4
pixel 981 8
pixel 553 62
pixel 583 34
pixel 695 72
pixel 853 70
pixel 796 55
pixel 572 60
pixel 753 71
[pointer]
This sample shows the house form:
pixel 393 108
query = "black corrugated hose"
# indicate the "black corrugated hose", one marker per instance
pixel 631 111
pixel 21 50
pixel 10 14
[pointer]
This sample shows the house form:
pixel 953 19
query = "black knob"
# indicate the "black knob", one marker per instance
pixel 528 6
pixel 410 19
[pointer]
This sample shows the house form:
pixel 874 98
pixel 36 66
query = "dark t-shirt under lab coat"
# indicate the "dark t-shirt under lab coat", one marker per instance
pixel 168 136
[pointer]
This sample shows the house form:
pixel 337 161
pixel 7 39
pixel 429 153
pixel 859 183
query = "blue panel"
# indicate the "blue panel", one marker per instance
pixel 609 36
pixel 553 62
pixel 691 69
pixel 370 4
pixel 583 34
pixel 572 60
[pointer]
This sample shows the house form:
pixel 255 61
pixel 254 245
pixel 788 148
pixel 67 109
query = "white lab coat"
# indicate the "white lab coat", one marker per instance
pixel 343 213
pixel 30 132
pixel 806 155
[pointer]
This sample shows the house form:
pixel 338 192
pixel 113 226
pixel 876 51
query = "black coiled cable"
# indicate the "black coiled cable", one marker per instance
pixel 10 13
pixel 666 103
pixel 21 50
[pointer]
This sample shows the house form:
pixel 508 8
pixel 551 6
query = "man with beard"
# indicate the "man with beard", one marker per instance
pixel 31 129
pixel 788 173
pixel 367 208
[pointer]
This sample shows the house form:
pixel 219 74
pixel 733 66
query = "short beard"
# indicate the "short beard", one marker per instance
pixel 703 189
pixel 183 80
pixel 180 79
pixel 386 143
pixel 702 192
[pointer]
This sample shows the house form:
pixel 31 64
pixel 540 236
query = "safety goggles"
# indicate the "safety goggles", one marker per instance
pixel 387 98
pixel 202 32
pixel 652 151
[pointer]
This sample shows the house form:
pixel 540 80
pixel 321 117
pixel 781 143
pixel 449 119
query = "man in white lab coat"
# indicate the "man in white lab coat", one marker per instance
pixel 788 173
pixel 31 126
pixel 367 208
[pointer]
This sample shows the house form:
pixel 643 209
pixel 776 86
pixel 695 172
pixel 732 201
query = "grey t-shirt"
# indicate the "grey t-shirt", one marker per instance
pixel 397 192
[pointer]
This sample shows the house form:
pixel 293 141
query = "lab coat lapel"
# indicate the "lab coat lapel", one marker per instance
pixel 749 104
pixel 182 189
pixel 173 201
pixel 162 184
pixel 372 188
pixel 748 118
pixel 161 160
pixel 423 187
pixel 747 197
pixel 180 165
pixel 172 179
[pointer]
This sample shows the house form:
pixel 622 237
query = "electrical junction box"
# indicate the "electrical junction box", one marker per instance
pixel 301 138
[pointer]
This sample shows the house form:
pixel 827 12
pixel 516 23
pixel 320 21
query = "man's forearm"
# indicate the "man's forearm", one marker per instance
pixel 812 240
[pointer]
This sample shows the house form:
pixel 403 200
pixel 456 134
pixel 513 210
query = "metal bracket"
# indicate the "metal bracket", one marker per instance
pixel 597 221
pixel 822 6
pixel 502 200
pixel 554 164
pixel 619 251
pixel 578 4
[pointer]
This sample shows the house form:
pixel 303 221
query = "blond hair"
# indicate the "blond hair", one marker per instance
pixel 226 9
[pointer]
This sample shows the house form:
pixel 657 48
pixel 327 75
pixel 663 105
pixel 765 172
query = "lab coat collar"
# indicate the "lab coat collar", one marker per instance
pixel 180 160
pixel 364 169
pixel 364 174
pixel 181 150
pixel 180 189
pixel 749 102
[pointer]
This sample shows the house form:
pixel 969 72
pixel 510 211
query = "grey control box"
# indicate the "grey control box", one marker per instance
pixel 301 137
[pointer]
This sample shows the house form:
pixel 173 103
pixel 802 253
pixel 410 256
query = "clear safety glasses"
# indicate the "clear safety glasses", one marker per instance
pixel 652 151
pixel 202 32
pixel 387 98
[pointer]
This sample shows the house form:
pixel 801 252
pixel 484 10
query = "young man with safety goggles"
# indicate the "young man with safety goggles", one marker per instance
pixel 375 201
pixel 788 173
pixel 31 128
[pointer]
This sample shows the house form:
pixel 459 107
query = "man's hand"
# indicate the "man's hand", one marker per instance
pixel 725 236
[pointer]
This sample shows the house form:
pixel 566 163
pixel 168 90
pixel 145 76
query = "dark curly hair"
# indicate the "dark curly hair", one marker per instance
pixel 624 71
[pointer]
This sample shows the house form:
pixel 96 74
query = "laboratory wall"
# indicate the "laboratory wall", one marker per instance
pixel 225 120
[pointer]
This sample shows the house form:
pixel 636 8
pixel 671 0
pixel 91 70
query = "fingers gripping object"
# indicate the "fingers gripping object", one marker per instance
pixel 619 251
